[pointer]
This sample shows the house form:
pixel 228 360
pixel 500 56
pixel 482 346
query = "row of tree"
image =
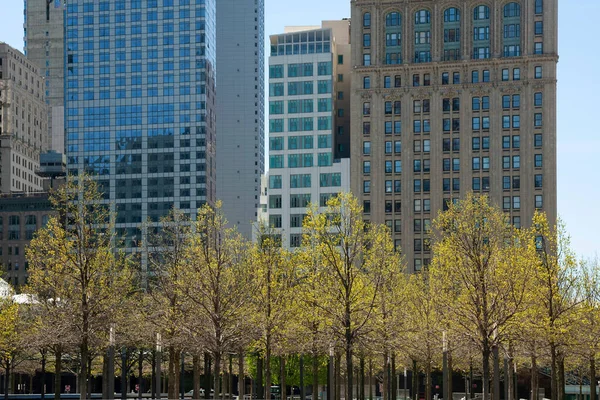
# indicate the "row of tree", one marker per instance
pixel 203 290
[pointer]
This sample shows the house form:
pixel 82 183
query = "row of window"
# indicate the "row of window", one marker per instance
pixel 452 14
pixel 300 160
pixel 453 125
pixel 130 4
pixel 305 124
pixel 300 200
pixel 300 142
pixel 476 77
pixel 300 70
pixel 478 103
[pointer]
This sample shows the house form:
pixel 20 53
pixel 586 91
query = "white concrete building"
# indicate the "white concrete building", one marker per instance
pixel 306 89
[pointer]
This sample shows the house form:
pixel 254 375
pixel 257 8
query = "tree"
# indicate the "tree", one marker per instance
pixel 558 291
pixel 9 338
pixel 167 249
pixel 273 277
pixel 387 328
pixel 74 260
pixel 349 292
pixel 424 324
pixel 216 285
pixel 482 267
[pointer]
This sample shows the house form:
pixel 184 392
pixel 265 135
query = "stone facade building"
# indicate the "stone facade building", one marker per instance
pixel 450 97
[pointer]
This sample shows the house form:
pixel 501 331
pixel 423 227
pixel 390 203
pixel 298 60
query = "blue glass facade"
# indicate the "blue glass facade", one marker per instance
pixel 139 108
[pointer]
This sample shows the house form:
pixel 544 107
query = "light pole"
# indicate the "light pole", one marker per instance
pixel 445 374
pixel 110 376
pixel 158 365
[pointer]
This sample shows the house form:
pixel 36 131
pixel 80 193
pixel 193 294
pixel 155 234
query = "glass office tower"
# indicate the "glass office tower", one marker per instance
pixel 140 98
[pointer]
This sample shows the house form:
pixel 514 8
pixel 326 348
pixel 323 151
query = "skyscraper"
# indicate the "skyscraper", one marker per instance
pixel 308 76
pixel 23 122
pixel 44 46
pixel 449 98
pixel 240 109
pixel 140 100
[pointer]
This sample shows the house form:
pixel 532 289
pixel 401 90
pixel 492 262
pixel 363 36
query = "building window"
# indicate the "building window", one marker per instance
pixel 539 7
pixel 367 82
pixel 538 161
pixel 537 120
pixel 538 48
pixel 538 99
pixel 367 40
pixel 538 180
pixel 537 140
pixel 538 72
pixel 367 20
pixel 539 201
pixel 367 187
pixel 475 76
pixel 366 59
pixel 516 74
pixel 539 27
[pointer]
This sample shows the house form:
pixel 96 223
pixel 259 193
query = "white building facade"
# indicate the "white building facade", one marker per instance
pixel 305 87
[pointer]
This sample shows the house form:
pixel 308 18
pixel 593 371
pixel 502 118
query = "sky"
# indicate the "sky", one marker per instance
pixel 578 98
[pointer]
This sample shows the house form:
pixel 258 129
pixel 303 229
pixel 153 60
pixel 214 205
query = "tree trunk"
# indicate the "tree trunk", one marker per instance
pixel 173 373
pixel 57 373
pixel 140 374
pixel 428 381
pixel 450 369
pixel 553 372
pixel 241 376
pixel 217 373
pixel 7 378
pixel 496 358
pixel 230 377
pixel 260 379
pixel 394 383
pixel 83 376
pixel 315 376
pixel 534 378
pixel 338 376
pixel 511 381
pixel 561 377
pixel 415 381
pixel 153 377
pixel 282 380
pixel 207 371
pixel 196 377
pixel 386 376
pixel 361 390
pixel 593 380
pixel 486 373
pixel 89 384
pixel 43 376
pixel 370 379
pixel 349 366
pixel 302 386
pixel 124 371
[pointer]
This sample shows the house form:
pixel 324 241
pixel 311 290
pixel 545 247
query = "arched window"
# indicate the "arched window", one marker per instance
pixel 393 38
pixel 422 36
pixel 481 12
pixel 452 34
pixel 512 10
pixel 481 32
pixel 392 19
pixel 511 38
pixel 367 20
pixel 422 17
pixel 452 15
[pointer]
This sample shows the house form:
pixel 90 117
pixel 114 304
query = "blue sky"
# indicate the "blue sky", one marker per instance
pixel 578 98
